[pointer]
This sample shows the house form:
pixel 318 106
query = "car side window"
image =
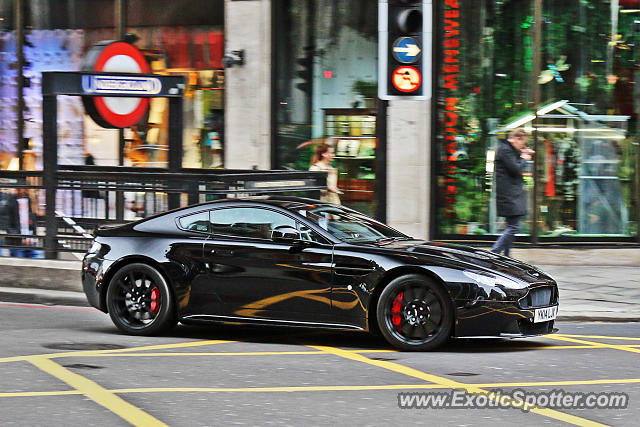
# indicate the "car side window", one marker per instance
pixel 248 222
pixel 196 222
pixel 308 234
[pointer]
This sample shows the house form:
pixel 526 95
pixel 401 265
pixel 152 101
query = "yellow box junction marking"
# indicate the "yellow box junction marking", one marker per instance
pixel 109 400
pixel 98 394
pixel 323 388
pixel 595 344
pixel 93 353
pixel 469 388
pixel 600 337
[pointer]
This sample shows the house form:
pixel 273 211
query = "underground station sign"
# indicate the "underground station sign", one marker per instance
pixel 120 57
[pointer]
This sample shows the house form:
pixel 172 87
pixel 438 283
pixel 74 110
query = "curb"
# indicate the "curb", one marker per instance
pixel 43 296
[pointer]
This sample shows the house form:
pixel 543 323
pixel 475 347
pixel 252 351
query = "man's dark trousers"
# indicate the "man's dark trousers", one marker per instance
pixel 508 236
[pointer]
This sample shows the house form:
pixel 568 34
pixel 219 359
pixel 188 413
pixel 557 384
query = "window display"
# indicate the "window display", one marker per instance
pixel 353 132
pixel 326 92
pixel 584 126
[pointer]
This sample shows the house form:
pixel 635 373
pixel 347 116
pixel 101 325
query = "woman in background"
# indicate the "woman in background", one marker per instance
pixel 321 161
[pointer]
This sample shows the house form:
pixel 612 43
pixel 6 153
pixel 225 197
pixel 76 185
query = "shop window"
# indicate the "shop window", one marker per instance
pixel 585 121
pixel 326 92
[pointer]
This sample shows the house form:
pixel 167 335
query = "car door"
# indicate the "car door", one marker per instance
pixel 192 295
pixel 256 276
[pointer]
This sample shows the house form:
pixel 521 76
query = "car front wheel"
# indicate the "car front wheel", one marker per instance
pixel 414 313
pixel 139 301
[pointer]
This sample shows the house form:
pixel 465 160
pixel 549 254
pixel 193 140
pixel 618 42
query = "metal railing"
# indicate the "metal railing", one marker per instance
pixel 87 196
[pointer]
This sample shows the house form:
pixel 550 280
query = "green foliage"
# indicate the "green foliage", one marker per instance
pixel 365 88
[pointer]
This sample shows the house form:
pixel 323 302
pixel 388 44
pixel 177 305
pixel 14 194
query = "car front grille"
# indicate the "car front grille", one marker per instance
pixel 541 296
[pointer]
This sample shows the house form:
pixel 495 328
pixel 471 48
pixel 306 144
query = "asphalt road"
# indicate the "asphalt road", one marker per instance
pixel 69 366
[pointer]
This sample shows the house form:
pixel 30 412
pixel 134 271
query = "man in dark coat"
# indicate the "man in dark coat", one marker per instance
pixel 511 198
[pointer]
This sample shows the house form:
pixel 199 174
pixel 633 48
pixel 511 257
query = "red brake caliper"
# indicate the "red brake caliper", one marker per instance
pixel 396 308
pixel 155 300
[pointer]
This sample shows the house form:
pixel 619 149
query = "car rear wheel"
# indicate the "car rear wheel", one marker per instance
pixel 139 301
pixel 414 313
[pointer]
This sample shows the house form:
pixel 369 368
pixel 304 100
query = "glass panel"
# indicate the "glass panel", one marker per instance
pixel 586 120
pixel 187 39
pixel 196 222
pixel 57 35
pixel 8 88
pixel 326 87
pixel 484 83
pixel 348 225
pixel 248 222
pixel 588 138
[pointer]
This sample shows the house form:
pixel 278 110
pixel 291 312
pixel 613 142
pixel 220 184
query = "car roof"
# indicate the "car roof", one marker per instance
pixel 284 202
pixel 275 200
pixel 159 221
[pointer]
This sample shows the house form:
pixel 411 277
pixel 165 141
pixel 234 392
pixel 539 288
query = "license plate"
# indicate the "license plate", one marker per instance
pixel 545 314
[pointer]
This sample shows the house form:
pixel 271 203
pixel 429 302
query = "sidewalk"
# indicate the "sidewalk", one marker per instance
pixel 594 284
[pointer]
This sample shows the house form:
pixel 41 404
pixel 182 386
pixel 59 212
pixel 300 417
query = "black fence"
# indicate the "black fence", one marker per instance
pixel 87 196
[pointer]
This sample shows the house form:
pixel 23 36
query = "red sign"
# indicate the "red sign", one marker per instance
pixel 120 57
pixel 450 71
pixel 406 79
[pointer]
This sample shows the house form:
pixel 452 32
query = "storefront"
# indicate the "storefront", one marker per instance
pixel 425 165
pixel 575 88
pixel 177 37
pixel 325 91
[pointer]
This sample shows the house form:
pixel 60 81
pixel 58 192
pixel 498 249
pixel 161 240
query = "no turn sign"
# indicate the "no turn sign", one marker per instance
pixel 406 79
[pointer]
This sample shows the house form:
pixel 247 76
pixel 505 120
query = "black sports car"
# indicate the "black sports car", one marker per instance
pixel 300 262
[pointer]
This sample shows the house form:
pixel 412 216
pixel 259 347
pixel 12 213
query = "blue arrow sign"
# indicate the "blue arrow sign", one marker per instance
pixel 406 50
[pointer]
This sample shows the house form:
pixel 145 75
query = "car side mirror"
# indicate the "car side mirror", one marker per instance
pixel 285 234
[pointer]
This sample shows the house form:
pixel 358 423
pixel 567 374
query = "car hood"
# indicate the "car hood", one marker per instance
pixel 467 257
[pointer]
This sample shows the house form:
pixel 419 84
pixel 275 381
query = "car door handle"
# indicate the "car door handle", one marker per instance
pixel 221 252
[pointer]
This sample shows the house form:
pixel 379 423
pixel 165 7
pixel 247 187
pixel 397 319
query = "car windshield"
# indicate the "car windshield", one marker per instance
pixel 348 225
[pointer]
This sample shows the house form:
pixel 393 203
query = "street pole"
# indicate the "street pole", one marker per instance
pixel 535 72
pixel 19 23
pixel 121 28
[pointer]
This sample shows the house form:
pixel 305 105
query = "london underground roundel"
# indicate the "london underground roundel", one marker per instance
pixel 116 57
pixel 406 79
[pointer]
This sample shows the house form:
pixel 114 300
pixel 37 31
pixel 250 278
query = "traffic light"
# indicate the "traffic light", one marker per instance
pixel 404 49
pixel 305 73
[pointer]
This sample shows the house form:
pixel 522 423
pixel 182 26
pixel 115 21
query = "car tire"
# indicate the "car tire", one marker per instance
pixel 140 302
pixel 415 313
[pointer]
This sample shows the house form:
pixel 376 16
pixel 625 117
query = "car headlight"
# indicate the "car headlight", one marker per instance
pixel 489 279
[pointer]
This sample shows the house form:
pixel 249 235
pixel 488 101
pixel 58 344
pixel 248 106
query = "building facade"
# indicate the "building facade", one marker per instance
pixel 565 71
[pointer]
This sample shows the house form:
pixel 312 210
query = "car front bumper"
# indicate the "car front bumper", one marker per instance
pixel 500 319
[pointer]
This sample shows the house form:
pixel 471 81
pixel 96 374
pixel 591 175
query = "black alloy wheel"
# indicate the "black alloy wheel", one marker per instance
pixel 140 301
pixel 414 313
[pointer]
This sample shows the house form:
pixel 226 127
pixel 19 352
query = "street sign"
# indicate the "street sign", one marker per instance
pixel 406 79
pixel 112 85
pixel 117 57
pixel 406 50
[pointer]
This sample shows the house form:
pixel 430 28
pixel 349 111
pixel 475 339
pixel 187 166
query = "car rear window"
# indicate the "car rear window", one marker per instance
pixel 196 222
